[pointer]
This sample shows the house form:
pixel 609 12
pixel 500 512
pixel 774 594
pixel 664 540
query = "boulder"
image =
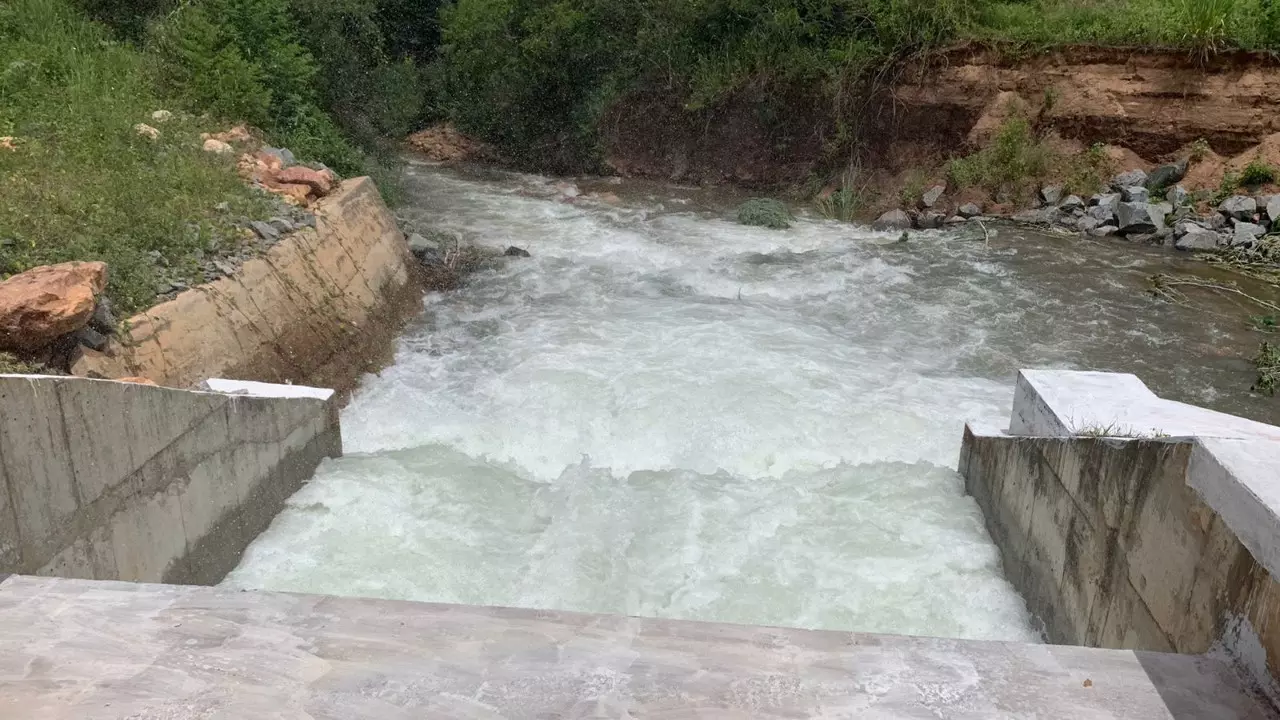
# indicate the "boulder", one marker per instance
pixel 426 250
pixel 48 302
pixel 1135 194
pixel 264 230
pixel 892 220
pixel 1238 207
pixel 514 251
pixel 1243 237
pixel 92 339
pixel 1103 231
pixel 1102 213
pixel 299 194
pixel 969 210
pixel 161 115
pixel 103 319
pixel 1251 229
pixel 1072 202
pixel 954 220
pixel 1087 223
pixel 1198 239
pixel 1138 218
pixel 1215 221
pixel 218 147
pixel 1042 216
pixel 1167 175
pixel 1132 178
pixel 1272 208
pixel 1050 194
pixel 283 225
pixel 320 182
pixel 1177 196
pixel 285 157
pixel 931 220
pixel 146 131
pixel 932 196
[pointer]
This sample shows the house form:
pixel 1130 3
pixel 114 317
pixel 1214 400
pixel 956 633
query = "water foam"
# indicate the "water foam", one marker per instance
pixel 667 414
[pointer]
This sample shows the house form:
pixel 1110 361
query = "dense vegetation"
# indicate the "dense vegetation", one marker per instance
pixel 335 80
pixel 77 181
pixel 534 76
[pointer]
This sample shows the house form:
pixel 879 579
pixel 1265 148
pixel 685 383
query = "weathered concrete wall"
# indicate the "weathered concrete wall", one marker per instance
pixel 1151 543
pixel 116 481
pixel 320 308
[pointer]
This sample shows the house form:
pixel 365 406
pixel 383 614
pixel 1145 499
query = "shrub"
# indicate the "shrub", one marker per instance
pixel 1267 361
pixel 1089 171
pixel 765 212
pixel 847 201
pixel 1256 173
pixel 1012 160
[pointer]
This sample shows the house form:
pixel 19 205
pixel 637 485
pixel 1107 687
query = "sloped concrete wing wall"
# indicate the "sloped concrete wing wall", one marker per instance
pixel 1163 536
pixel 117 481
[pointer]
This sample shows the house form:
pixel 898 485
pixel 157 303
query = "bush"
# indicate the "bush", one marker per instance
pixel 533 77
pixel 1256 173
pixel 1014 158
pixel 765 212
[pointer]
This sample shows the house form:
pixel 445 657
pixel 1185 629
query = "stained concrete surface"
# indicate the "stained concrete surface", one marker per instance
pixel 106 650
pixel 120 481
pixel 1163 536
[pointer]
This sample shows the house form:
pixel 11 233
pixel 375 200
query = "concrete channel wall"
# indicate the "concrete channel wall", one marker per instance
pixel 1164 536
pixel 116 481
pixel 321 307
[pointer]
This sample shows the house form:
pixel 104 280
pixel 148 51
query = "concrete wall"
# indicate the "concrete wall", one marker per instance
pixel 1158 542
pixel 320 308
pixel 116 481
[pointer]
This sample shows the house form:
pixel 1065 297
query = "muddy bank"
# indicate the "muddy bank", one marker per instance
pixel 320 308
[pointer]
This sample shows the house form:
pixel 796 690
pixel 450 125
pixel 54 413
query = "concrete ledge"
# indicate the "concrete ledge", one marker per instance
pixel 1058 403
pixel 112 480
pixel 83 649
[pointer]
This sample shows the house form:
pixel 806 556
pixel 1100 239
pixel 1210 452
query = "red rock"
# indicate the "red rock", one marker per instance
pixel 45 303
pixel 268 160
pixel 321 183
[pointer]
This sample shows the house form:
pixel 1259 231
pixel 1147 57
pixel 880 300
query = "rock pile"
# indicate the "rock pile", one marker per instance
pixel 1139 206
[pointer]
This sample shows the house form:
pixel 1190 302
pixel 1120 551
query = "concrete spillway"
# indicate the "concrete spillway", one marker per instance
pixel 99 650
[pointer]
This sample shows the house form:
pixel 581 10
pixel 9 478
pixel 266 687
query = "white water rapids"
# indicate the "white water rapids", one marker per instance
pixel 664 413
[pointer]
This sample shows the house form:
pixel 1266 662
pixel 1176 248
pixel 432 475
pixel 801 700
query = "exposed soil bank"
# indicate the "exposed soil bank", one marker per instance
pixel 319 308
pixel 1151 103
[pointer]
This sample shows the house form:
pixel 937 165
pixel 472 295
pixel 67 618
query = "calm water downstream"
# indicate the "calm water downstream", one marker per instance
pixel 664 413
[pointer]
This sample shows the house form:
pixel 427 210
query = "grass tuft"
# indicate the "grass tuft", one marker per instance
pixel 765 212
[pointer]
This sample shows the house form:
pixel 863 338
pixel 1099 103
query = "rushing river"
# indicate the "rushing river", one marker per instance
pixel 665 413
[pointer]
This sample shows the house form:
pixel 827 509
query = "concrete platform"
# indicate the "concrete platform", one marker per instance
pixel 93 649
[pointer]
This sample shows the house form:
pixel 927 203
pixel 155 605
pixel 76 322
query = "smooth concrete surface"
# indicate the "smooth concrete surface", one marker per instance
pixel 120 481
pixel 1166 541
pixel 1056 403
pixel 321 307
pixel 72 649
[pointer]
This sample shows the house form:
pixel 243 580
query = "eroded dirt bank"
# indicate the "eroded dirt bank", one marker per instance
pixel 1149 103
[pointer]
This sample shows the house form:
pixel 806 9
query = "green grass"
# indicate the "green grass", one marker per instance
pixel 1257 173
pixel 1201 26
pixel 1267 361
pixel 82 184
pixel 1016 160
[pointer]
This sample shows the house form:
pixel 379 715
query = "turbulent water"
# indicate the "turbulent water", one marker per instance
pixel 664 413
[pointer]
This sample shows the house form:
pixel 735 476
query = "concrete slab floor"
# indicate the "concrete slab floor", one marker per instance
pixel 92 649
